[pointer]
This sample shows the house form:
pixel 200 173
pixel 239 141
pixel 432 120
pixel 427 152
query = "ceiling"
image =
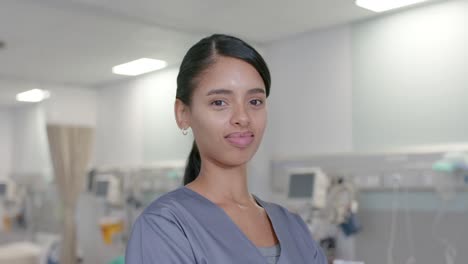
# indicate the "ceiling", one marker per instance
pixel 77 42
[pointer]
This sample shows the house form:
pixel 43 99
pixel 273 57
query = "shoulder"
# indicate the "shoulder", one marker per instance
pixel 169 206
pixel 170 200
pixel 158 235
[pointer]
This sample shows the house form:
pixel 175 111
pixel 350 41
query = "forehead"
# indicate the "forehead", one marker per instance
pixel 230 73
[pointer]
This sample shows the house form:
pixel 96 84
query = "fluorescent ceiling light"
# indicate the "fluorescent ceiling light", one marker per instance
pixel 139 66
pixel 384 5
pixel 32 96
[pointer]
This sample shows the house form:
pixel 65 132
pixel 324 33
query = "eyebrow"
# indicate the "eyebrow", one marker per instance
pixel 226 91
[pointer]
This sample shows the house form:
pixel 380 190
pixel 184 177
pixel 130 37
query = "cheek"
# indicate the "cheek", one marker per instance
pixel 261 120
pixel 209 124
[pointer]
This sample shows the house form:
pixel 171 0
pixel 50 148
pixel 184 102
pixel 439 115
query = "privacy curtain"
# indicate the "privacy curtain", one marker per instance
pixel 70 149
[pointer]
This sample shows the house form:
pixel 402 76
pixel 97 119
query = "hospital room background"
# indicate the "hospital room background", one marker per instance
pixel 367 136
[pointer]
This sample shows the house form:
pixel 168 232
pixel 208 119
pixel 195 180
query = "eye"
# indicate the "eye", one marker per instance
pixel 218 103
pixel 256 102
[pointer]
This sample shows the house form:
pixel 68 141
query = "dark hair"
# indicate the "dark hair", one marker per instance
pixel 197 60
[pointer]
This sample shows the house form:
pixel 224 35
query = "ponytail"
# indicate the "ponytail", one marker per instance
pixel 193 165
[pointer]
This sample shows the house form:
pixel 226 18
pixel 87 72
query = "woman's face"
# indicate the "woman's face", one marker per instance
pixel 228 112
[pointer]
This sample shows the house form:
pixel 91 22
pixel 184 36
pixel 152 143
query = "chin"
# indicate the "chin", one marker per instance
pixel 232 159
pixel 235 159
pixel 236 163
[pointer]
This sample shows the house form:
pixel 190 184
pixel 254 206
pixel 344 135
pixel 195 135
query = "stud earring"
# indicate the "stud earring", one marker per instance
pixel 184 131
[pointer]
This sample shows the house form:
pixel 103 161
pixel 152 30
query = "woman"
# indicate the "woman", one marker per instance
pixel 222 88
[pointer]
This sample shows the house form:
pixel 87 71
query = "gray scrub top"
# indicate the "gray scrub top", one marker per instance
pixel 183 226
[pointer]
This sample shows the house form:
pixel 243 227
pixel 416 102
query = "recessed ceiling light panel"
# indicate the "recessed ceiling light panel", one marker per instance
pixel 385 5
pixel 32 96
pixel 139 66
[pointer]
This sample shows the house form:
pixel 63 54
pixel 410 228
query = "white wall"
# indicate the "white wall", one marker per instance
pixel 6 138
pixel 30 148
pixel 118 133
pixel 162 138
pixel 310 102
pixel 136 121
pixel 410 77
pixel 71 105
pixel 396 80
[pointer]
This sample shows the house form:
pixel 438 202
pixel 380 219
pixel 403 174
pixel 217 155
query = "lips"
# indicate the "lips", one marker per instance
pixel 240 139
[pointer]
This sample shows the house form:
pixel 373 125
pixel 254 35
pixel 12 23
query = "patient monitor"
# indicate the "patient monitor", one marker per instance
pixel 308 186
pixel 108 186
pixel 7 190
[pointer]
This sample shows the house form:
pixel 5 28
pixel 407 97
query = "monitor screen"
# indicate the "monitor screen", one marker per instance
pixel 101 188
pixel 3 189
pixel 301 185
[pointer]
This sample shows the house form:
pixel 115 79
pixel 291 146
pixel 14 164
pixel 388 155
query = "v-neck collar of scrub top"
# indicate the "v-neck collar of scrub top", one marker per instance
pixel 271 215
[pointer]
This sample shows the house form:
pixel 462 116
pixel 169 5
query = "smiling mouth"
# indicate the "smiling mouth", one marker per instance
pixel 240 139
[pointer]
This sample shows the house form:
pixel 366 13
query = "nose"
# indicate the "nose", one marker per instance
pixel 240 117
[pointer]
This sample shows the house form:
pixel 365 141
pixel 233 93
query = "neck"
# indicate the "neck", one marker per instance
pixel 223 185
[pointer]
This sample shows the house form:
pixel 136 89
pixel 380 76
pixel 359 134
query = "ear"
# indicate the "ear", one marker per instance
pixel 182 114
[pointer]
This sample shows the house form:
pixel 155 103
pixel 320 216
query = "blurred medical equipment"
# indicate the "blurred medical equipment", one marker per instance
pixel 308 186
pixel 452 162
pixel 342 206
pixel 453 171
pixel 383 180
pixel 109 187
pixel 110 226
pixel 316 195
pixel 126 191
pixel 7 194
pixel 12 203
pixel 327 204
pixel 31 236
pixel 7 190
pixel 393 226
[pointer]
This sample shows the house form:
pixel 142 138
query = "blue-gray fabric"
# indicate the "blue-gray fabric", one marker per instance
pixel 271 254
pixel 183 227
